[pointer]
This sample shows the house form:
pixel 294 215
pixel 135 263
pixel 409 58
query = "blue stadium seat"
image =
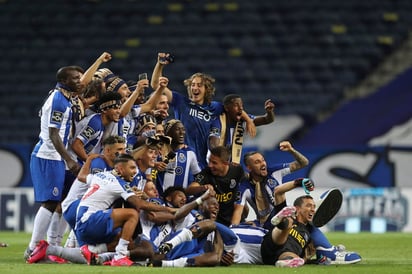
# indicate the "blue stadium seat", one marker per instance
pixel 286 46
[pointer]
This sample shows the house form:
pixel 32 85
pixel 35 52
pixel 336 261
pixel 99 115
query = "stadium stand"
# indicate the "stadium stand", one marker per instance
pixel 389 106
pixel 303 54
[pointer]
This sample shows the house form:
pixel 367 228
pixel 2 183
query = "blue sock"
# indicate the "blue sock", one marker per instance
pixel 228 236
pixel 319 239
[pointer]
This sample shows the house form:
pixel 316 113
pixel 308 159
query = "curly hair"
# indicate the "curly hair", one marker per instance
pixel 207 80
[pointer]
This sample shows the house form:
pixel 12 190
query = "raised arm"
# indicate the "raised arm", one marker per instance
pixel 268 117
pixel 158 72
pixel 128 104
pixel 280 190
pixel 88 74
pixel 150 104
pixel 184 210
pixel 300 160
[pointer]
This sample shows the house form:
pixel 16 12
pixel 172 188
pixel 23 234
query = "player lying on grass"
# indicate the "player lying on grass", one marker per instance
pixel 246 248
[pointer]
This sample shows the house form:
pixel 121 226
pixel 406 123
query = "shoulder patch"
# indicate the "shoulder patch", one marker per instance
pixel 88 132
pixel 57 117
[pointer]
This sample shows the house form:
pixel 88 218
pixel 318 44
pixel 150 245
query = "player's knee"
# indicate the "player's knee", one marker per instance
pixel 50 205
pixel 133 215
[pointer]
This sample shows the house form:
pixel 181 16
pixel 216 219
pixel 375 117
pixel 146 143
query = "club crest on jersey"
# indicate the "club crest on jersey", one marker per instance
pixel 57 117
pixel 181 158
pixel 271 183
pixel 232 183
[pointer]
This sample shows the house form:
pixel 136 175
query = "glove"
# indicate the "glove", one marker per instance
pixel 306 183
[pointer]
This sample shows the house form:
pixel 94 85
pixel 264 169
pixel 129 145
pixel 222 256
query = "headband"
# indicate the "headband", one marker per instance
pixel 110 104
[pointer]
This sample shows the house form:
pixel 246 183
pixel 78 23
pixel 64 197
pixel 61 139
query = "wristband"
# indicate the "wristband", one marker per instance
pixel 307 191
pixel 298 182
pixel 199 201
pixel 301 183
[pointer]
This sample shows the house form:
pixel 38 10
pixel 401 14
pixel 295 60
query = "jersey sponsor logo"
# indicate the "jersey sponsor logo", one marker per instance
pixel 224 197
pixel 298 237
pixel 88 132
pixel 202 115
pixel 57 116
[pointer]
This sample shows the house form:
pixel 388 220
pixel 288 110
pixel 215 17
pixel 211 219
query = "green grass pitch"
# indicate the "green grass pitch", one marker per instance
pixel 381 253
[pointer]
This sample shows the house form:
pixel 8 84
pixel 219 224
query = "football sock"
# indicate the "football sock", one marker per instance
pixel 57 228
pixel 183 236
pixel 121 249
pixel 40 226
pixel 99 248
pixel 181 262
pixel 63 225
pixel 53 227
pixel 319 239
pixel 73 255
pixel 71 240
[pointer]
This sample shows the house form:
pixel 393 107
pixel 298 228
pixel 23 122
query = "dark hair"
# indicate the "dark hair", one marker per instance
pixel 170 190
pixel 113 139
pixel 132 84
pixel 123 158
pixel 222 152
pixel 109 100
pixel 207 80
pixel 63 72
pixel 299 200
pixel 229 98
pixel 248 155
pixel 94 88
pixel 170 124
